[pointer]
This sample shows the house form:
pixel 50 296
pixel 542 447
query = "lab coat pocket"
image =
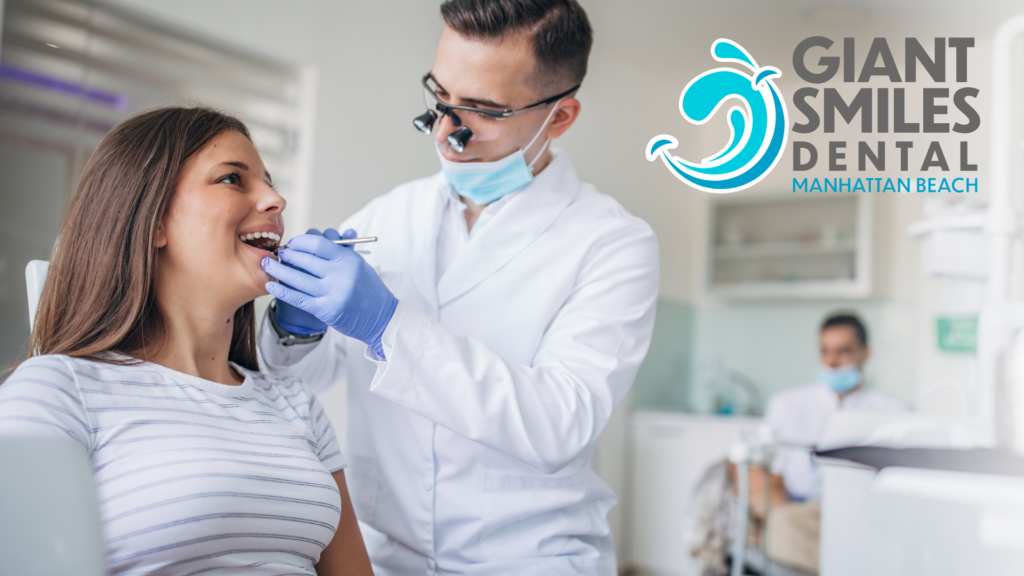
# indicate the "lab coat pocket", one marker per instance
pixel 362 485
pixel 529 515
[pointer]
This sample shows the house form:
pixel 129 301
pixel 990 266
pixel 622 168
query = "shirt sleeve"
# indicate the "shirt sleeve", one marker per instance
pixel 328 449
pixel 42 398
pixel 320 364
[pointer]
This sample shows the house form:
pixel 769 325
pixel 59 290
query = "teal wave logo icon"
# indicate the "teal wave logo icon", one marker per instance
pixel 757 130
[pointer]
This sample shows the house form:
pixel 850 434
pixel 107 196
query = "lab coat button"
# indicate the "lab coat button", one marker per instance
pixel 431 565
pixel 428 483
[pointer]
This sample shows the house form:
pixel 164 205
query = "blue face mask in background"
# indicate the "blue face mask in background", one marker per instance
pixel 486 182
pixel 840 380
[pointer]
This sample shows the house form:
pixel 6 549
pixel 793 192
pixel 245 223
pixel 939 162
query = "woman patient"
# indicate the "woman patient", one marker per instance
pixel 144 352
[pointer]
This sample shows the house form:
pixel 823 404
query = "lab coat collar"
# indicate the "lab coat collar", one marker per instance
pixel 451 197
pixel 525 217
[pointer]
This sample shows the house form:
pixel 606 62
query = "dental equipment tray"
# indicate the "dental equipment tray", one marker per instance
pixel 976 460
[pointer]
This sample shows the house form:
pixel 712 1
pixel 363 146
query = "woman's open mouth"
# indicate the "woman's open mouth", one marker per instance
pixel 267 241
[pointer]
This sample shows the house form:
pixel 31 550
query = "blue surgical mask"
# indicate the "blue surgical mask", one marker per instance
pixel 486 182
pixel 840 380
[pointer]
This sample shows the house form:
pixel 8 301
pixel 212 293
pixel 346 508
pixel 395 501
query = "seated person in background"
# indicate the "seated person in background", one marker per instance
pixel 143 352
pixel 799 416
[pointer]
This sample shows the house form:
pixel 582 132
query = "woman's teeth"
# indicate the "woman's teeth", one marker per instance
pixel 264 240
pixel 254 235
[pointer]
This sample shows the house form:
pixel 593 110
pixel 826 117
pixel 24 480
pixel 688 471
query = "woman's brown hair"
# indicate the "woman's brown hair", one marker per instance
pixel 99 296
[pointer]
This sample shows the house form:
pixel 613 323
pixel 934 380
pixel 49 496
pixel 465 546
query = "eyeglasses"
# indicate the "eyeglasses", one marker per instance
pixel 481 122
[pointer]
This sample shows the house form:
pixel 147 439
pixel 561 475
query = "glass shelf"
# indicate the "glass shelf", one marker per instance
pixel 789 247
pixel 781 249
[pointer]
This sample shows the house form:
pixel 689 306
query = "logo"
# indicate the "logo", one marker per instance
pixel 757 132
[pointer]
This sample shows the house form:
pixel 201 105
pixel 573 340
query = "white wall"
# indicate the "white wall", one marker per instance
pixel 367 74
pixel 655 50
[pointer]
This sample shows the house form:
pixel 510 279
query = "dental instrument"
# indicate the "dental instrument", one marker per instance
pixel 342 242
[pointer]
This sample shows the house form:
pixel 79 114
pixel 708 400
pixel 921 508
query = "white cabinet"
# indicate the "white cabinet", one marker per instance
pixel 668 454
pixel 789 246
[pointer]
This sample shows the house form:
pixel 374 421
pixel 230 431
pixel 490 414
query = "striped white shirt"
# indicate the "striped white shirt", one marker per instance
pixel 193 477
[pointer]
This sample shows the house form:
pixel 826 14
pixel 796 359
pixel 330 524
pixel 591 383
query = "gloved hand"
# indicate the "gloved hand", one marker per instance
pixel 335 285
pixel 296 320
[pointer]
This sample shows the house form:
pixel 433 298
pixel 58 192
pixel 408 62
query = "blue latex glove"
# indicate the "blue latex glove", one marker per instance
pixel 335 285
pixel 296 320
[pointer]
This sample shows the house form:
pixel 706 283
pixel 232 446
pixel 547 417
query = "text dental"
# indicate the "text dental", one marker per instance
pixel 873 106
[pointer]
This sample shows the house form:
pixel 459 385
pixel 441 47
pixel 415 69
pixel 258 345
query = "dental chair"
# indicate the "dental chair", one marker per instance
pixel 49 514
pixel 35 276
pixel 754 450
pixel 905 520
pixel 721 533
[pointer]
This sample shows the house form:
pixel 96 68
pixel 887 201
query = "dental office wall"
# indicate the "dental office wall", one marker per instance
pixel 773 342
pixel 368 57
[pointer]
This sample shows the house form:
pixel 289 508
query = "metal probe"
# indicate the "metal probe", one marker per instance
pixel 343 242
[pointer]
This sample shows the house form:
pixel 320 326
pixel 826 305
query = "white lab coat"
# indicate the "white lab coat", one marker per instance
pixel 470 446
pixel 800 415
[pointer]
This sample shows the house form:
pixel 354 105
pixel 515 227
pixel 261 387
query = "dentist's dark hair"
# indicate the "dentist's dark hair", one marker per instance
pixel 558 29
pixel 99 296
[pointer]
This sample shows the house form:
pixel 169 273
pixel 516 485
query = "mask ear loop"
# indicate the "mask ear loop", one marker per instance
pixel 537 135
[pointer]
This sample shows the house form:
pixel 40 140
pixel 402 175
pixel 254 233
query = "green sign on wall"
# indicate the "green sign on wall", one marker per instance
pixel 957 334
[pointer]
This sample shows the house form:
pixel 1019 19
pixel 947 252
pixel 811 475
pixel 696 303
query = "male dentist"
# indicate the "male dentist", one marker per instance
pixel 800 416
pixel 512 309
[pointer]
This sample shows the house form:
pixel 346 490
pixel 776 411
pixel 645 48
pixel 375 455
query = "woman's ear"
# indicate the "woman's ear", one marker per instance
pixel 161 237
